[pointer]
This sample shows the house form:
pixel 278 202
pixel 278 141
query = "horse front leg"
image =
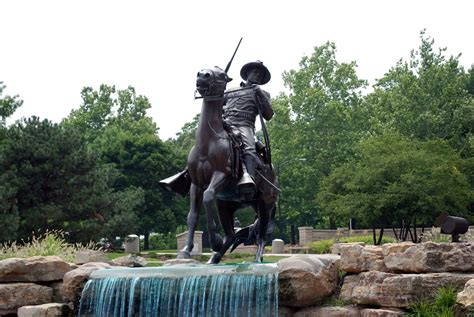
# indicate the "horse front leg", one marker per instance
pixel 210 204
pixel 264 216
pixel 193 217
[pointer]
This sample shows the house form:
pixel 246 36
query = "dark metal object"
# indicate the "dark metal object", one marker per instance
pixel 232 58
pixel 212 182
pixel 454 226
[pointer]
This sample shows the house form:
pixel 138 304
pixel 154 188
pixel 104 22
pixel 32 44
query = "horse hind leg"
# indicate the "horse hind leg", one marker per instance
pixel 264 216
pixel 193 217
pixel 227 211
pixel 209 200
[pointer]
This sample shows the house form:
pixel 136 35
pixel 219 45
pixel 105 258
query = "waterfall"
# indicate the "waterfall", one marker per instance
pixel 183 291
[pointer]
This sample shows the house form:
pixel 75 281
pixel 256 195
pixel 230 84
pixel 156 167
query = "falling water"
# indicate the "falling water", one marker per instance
pixel 191 290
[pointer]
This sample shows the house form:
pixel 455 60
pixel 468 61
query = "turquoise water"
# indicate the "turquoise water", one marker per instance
pixel 183 290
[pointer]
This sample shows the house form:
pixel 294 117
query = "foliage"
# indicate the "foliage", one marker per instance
pixel 395 179
pixel 428 97
pixel 366 239
pixel 51 180
pixel 443 304
pixel 8 105
pixel 118 129
pixel 160 241
pixel 322 246
pixel 313 129
pixel 46 244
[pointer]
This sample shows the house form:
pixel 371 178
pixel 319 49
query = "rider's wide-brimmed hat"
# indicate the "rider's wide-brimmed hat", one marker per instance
pixel 259 65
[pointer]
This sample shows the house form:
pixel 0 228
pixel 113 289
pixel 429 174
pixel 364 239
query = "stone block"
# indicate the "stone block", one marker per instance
pixel 278 246
pixel 16 295
pixel 86 256
pixel 382 312
pixel 429 257
pixel 45 310
pixel 466 296
pixel 347 311
pixel 397 290
pixel 356 258
pixel 306 279
pixel 34 269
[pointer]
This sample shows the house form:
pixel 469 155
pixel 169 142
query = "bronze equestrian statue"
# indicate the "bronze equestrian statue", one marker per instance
pixel 215 175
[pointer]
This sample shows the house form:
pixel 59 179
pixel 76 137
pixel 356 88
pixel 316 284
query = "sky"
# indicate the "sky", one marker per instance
pixel 50 50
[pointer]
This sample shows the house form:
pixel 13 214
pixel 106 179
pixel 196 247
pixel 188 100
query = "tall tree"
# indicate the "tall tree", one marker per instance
pixel 395 181
pixel 427 97
pixel 8 104
pixel 51 180
pixel 118 128
pixel 316 129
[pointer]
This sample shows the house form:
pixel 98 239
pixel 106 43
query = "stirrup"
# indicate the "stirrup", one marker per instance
pixel 246 185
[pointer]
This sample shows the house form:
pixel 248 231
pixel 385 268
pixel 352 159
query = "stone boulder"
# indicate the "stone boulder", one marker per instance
pixel 74 281
pixel 306 279
pixel 15 295
pixel 34 269
pixel 429 257
pixel 383 312
pixel 180 261
pixel 46 310
pixel 466 297
pixel 356 258
pixel 86 256
pixel 347 311
pixel 130 261
pixel 397 290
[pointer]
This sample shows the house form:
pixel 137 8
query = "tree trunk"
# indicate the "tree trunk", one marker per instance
pixel 293 234
pixel 332 223
pixel 146 241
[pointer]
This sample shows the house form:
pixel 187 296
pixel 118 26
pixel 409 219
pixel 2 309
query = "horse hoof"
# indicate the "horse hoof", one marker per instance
pixel 184 255
pixel 215 259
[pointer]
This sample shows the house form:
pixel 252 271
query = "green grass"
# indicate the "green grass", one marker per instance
pixel 442 305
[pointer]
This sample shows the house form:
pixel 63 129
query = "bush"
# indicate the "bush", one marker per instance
pixel 368 239
pixel 441 305
pixel 160 241
pixel 46 244
pixel 321 246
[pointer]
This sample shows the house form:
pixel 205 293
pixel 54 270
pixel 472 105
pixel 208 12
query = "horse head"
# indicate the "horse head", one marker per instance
pixel 212 82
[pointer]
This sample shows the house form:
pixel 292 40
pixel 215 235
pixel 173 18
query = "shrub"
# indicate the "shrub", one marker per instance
pixel 368 239
pixel 321 246
pixel 441 305
pixel 46 244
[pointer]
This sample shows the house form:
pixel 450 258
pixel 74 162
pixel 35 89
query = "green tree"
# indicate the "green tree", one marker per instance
pixel 119 130
pixel 8 104
pixel 316 121
pixel 395 181
pixel 428 97
pixel 51 180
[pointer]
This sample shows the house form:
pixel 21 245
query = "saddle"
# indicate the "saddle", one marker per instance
pixel 180 183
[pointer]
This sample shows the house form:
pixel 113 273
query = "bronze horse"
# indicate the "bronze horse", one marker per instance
pixel 213 185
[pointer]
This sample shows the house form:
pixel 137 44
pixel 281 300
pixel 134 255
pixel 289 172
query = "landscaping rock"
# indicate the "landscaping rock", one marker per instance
pixel 336 247
pixel 392 290
pixel 306 279
pixel 429 257
pixel 383 312
pixel 180 261
pixel 466 297
pixel 86 256
pixel 347 311
pixel 130 261
pixel 74 281
pixel 15 295
pixel 285 311
pixel 57 291
pixel 34 269
pixel 45 310
pixel 356 258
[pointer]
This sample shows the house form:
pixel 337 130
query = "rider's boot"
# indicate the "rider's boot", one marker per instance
pixel 246 184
